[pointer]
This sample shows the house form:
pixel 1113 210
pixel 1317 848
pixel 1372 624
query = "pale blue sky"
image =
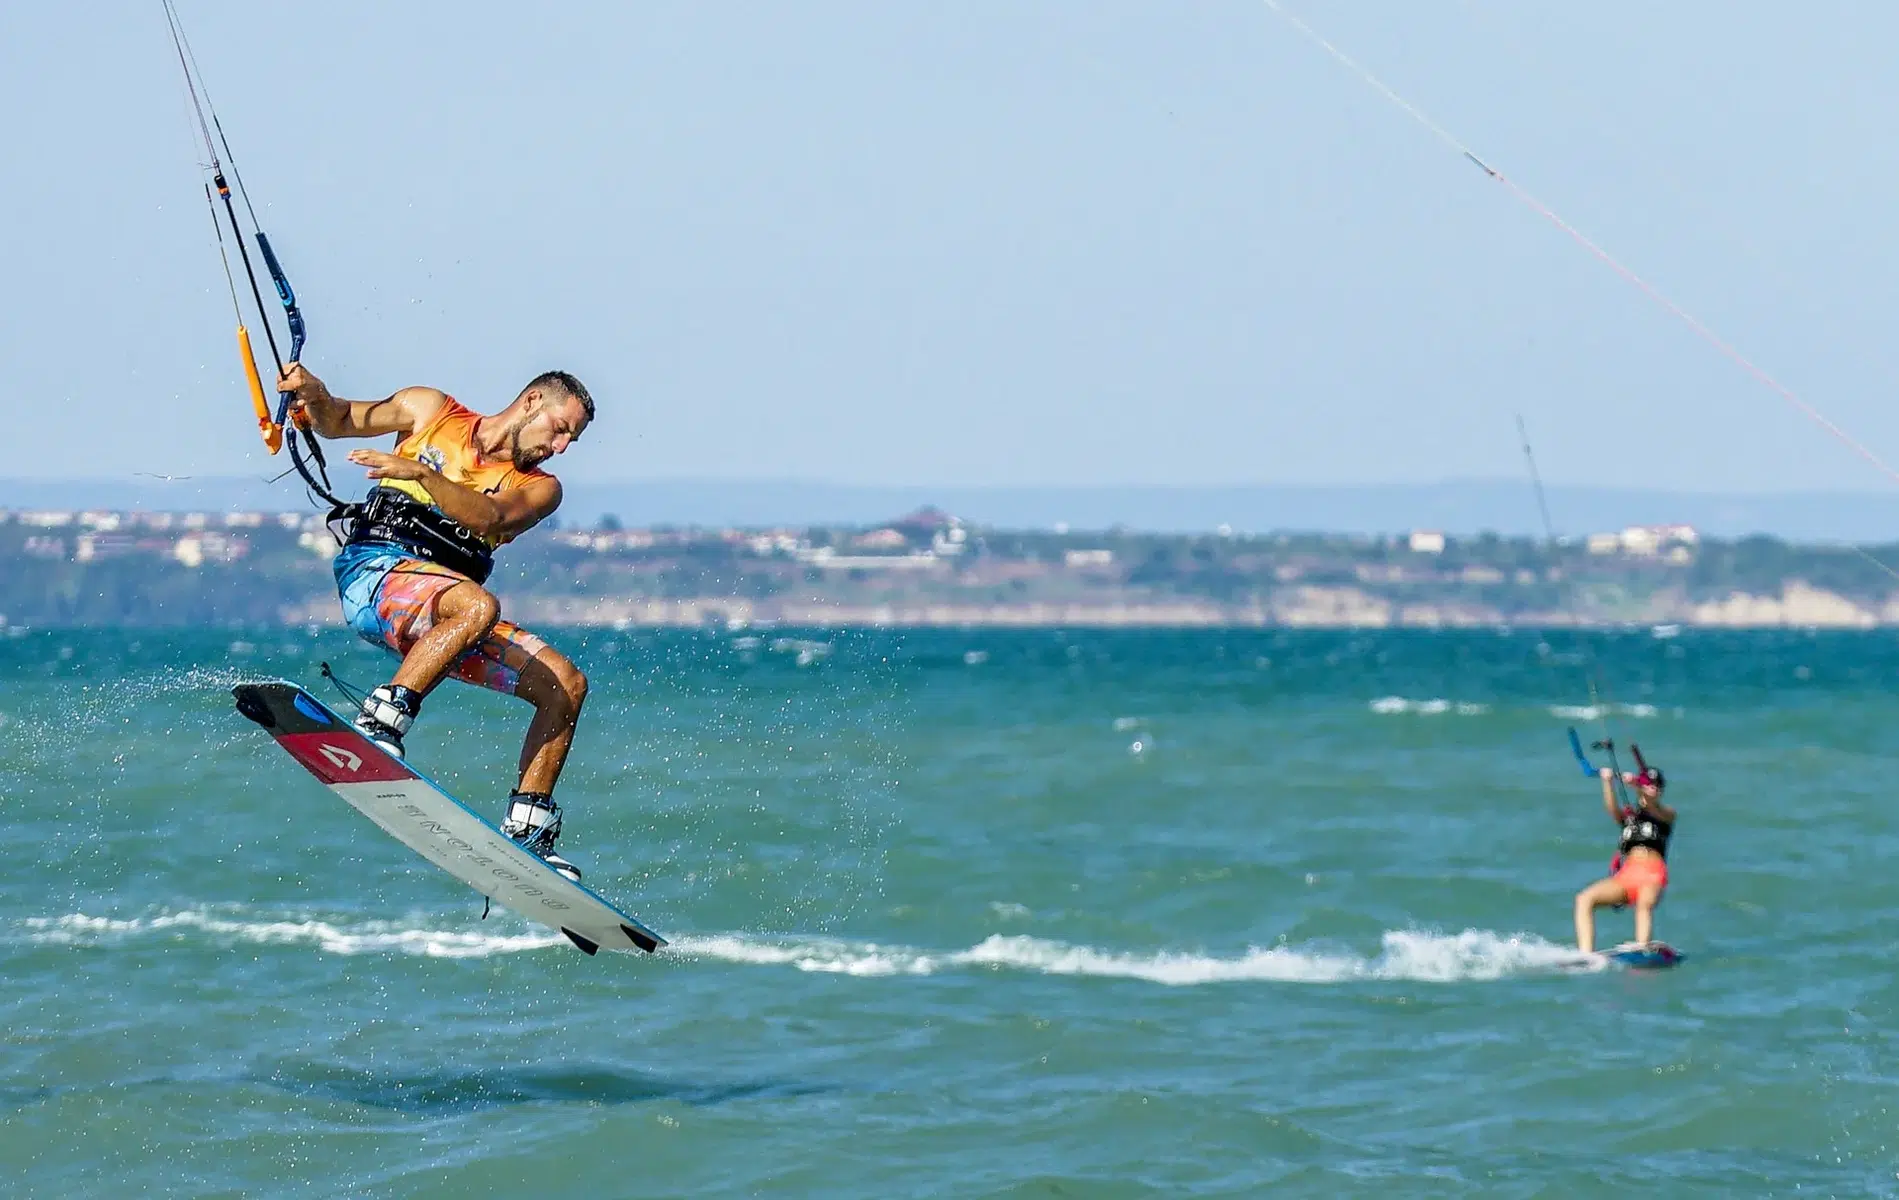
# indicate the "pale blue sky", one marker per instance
pixel 980 243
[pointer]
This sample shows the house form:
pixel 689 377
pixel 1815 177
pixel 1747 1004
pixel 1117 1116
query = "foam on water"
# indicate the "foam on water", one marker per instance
pixel 370 937
pixel 1394 705
pixel 1405 955
pixel 1413 955
pixel 1595 712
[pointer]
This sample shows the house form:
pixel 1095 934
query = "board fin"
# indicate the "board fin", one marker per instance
pixel 644 941
pixel 583 943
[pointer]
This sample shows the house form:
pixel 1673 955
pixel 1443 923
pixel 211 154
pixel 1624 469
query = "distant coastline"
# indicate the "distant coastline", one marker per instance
pixel 1462 507
pixel 930 568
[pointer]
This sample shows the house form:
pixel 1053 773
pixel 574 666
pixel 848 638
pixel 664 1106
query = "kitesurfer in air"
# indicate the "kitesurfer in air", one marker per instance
pixel 459 485
pixel 1638 874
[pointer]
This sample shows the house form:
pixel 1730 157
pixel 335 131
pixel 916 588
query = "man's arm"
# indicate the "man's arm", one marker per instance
pixel 500 517
pixel 401 413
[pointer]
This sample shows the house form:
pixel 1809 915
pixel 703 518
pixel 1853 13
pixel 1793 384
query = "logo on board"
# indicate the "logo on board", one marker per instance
pixel 339 757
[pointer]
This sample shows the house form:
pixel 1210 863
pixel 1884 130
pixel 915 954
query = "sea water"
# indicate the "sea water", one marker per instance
pixel 965 913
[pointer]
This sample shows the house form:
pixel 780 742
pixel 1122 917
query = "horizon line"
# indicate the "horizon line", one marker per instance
pixel 136 480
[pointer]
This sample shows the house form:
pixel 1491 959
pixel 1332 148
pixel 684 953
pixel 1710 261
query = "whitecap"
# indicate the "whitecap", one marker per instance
pixel 1395 705
pixel 1405 955
pixel 1595 712
pixel 369 937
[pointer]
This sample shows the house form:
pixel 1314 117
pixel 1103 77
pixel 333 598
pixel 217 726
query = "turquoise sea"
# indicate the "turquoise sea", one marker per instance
pixel 965 913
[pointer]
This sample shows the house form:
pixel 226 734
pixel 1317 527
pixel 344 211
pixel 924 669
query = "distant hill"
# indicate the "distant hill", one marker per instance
pixel 1458 507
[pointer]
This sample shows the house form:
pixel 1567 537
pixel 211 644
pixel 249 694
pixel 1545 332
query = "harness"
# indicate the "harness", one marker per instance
pixel 386 515
pixel 1641 828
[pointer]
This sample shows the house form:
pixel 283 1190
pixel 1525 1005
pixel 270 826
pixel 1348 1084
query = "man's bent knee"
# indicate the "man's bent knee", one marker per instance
pixel 570 686
pixel 473 602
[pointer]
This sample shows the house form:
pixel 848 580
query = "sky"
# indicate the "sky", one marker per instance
pixel 991 243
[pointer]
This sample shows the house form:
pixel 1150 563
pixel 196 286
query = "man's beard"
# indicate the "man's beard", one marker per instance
pixel 524 460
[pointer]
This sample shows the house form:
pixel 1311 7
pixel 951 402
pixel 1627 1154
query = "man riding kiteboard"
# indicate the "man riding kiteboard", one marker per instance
pixel 421 545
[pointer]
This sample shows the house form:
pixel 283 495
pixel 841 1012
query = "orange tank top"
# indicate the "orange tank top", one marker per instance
pixel 447 444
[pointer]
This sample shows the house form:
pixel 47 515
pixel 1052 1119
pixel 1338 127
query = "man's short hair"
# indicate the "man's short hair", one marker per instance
pixel 566 383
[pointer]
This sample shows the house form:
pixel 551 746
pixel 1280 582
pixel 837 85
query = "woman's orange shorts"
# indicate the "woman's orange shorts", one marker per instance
pixel 1635 874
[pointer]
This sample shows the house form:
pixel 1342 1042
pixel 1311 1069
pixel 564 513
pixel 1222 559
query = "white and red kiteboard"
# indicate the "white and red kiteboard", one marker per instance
pixel 433 823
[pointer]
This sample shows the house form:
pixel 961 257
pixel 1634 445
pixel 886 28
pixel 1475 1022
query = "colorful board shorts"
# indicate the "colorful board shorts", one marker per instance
pixel 389 599
pixel 1635 874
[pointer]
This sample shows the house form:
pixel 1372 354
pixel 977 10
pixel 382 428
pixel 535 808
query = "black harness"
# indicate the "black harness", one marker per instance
pixel 387 515
pixel 1640 827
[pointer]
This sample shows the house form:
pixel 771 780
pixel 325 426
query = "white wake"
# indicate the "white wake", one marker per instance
pixel 368 937
pixel 1409 955
pixel 1405 955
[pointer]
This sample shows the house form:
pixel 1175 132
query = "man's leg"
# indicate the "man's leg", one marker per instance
pixel 432 617
pixel 463 616
pixel 557 690
pixel 512 660
pixel 509 659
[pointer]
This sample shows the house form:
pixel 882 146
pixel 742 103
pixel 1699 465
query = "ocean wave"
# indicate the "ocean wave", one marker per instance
pixel 369 937
pixel 1595 712
pixel 1473 955
pixel 1405 955
pixel 1390 705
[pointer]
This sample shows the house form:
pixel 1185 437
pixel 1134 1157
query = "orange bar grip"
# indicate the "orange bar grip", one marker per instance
pixel 272 432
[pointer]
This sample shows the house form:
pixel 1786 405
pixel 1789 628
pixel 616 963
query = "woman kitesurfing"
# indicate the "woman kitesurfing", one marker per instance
pixel 1638 874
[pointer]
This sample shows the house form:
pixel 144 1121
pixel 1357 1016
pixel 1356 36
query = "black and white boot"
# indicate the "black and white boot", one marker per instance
pixel 534 821
pixel 387 714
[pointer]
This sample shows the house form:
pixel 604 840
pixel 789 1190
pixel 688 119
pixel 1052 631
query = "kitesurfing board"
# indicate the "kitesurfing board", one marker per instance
pixel 1640 955
pixel 1633 955
pixel 433 823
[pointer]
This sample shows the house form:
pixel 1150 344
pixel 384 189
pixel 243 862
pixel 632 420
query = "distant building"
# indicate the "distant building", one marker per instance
pixel 196 549
pixel 881 539
pixel 1647 541
pixel 1426 541
pixel 947 543
pixel 825 558
pixel 1088 558
pixel 775 542
pixel 605 541
pixel 103 545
